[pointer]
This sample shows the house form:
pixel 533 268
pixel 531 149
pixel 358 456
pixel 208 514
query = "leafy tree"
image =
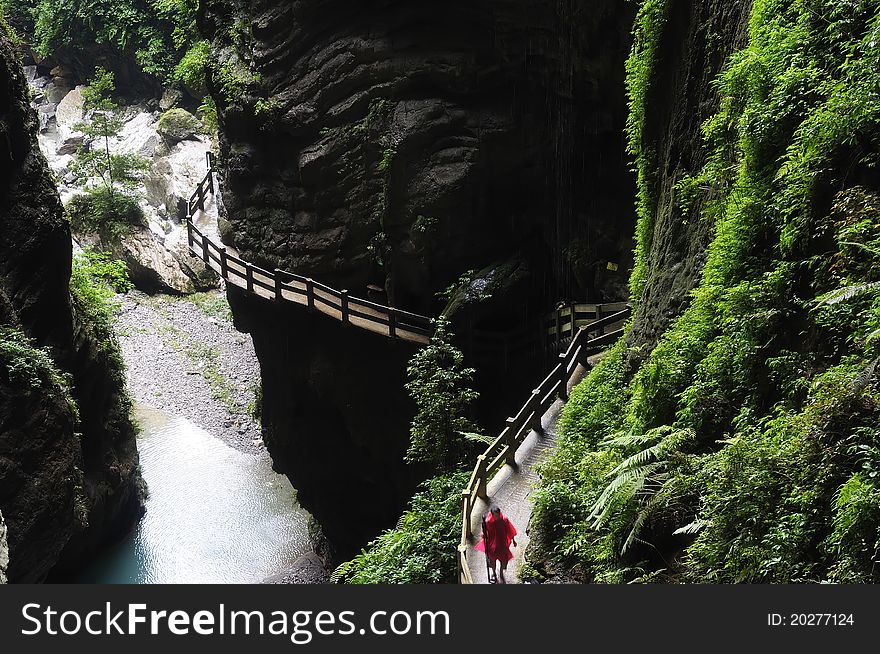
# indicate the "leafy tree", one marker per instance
pixel 109 178
pixel 441 387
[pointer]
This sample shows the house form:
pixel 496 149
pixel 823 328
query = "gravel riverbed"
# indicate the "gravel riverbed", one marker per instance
pixel 185 357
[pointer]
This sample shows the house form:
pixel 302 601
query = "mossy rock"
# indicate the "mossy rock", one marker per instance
pixel 177 125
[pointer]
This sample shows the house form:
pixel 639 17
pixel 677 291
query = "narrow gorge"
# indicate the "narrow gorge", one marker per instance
pixel 647 231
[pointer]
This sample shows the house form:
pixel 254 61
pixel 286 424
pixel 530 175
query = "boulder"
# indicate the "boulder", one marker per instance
pixel 56 90
pixel 139 136
pixel 178 125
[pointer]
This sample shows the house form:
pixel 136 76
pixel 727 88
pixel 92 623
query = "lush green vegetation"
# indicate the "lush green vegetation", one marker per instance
pixel 27 367
pixel 746 446
pixel 421 548
pixel 109 207
pixel 440 385
pixel 156 34
pixel 95 279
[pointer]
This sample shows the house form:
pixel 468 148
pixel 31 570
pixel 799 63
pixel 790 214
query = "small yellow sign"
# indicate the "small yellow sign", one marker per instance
pixel 612 266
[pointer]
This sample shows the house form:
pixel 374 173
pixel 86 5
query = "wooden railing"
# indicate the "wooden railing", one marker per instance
pixel 563 323
pixel 550 333
pixel 283 286
pixel 503 449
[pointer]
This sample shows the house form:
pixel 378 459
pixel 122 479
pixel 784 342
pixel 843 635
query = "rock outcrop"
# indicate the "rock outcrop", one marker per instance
pixel 690 55
pixel 68 460
pixel 397 146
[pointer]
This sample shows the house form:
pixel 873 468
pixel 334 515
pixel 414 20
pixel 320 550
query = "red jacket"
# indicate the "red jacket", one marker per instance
pixel 496 541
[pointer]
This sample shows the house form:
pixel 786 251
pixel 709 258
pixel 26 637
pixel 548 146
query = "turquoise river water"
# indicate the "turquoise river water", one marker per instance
pixel 214 514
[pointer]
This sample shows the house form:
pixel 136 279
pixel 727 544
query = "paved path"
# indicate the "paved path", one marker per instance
pixel 511 490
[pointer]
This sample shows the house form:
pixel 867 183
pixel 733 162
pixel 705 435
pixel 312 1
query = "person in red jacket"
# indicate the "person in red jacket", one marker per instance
pixel 498 534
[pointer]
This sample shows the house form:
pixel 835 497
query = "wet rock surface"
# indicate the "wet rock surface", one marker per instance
pixel 698 38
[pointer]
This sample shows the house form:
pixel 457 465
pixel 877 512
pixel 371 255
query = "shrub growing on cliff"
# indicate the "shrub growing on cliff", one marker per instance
pixel 440 384
pixel 421 549
pixel 92 281
pixel 24 366
pixel 109 206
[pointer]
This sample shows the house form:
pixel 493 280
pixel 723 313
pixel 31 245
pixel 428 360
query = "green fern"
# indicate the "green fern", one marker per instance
pixel 847 293
pixel 640 478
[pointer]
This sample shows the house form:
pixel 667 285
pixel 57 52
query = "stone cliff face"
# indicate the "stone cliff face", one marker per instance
pixel 400 145
pixel 68 461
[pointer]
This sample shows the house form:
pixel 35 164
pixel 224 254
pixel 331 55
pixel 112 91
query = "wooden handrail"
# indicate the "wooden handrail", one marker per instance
pixel 503 448
pixel 279 285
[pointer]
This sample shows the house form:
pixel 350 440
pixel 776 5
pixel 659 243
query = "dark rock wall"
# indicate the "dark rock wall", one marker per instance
pixel 401 144
pixel 447 135
pixel 67 482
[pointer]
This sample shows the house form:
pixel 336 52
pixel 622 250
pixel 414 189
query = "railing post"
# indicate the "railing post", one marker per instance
pixel 201 191
pixel 209 156
pixel 392 323
pixel 249 276
pixel 512 443
pixel 481 477
pixel 343 300
pixel 210 181
pixel 279 295
pixel 205 251
pixel 462 562
pixel 599 311
pixel 536 418
pixel 584 354
pixel 310 293
pixel 572 316
pixel 558 326
pixel 466 512
pixel 189 233
pixel 224 265
pixel 563 378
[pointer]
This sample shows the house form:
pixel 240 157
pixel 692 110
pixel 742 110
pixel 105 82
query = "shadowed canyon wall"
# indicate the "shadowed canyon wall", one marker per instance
pixel 68 461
